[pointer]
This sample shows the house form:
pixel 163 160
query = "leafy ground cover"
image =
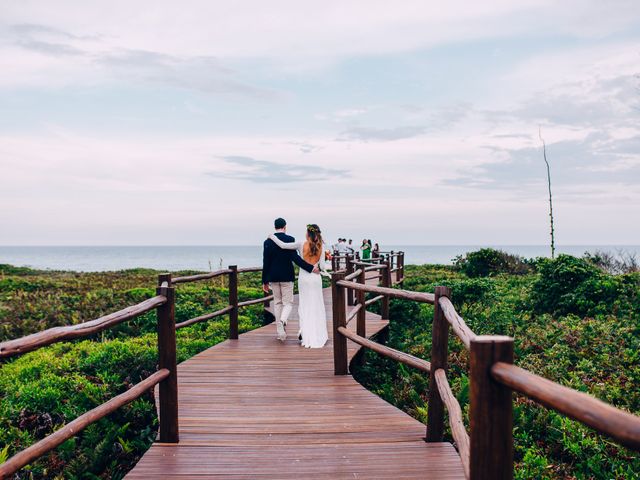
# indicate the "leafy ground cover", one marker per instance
pixel 573 323
pixel 43 390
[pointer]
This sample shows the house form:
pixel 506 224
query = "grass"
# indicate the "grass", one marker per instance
pixel 44 389
pixel 595 352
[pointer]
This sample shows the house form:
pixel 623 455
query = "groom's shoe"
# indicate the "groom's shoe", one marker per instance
pixel 281 334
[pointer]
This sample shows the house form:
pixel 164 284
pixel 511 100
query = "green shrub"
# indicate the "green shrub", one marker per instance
pixel 487 262
pixel 569 285
pixel 596 354
pixel 44 389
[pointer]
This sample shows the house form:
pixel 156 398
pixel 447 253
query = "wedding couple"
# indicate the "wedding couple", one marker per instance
pixel 279 254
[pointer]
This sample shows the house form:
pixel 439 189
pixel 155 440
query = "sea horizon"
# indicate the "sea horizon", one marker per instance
pixel 97 258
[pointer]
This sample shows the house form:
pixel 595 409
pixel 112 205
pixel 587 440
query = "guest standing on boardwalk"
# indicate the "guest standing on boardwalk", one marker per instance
pixel 375 253
pixel 366 249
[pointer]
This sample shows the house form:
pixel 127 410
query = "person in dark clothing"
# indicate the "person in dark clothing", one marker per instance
pixel 278 275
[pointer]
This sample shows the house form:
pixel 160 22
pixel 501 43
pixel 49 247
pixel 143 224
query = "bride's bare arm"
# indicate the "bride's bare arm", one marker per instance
pixel 284 245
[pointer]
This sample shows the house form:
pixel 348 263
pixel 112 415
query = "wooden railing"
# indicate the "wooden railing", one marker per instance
pixel 166 377
pixel 486 453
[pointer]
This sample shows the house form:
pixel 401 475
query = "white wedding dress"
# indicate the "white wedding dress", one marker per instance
pixel 311 312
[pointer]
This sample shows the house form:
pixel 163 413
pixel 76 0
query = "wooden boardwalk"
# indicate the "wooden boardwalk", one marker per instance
pixel 258 408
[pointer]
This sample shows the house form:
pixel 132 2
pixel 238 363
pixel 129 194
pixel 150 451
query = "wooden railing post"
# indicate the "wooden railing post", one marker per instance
pixel 386 282
pixel 168 388
pixel 490 411
pixel 400 272
pixel 391 260
pixel 361 326
pixel 350 269
pixel 339 320
pixel 439 350
pixel 233 302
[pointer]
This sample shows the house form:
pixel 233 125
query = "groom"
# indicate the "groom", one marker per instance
pixel 277 272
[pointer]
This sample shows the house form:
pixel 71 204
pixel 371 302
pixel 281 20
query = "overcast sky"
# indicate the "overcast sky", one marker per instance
pixel 409 122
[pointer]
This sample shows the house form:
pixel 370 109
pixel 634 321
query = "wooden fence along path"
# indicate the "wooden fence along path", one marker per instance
pixel 252 407
pixel 258 408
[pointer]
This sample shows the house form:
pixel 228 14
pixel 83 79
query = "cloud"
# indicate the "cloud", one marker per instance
pixel 306 147
pixel 261 171
pixel 599 158
pixel 88 55
pixel 367 134
pixel 200 73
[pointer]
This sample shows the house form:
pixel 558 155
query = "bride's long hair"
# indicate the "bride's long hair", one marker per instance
pixel 315 239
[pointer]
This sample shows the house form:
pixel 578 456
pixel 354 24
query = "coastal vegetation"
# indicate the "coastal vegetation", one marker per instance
pixel 44 389
pixel 573 323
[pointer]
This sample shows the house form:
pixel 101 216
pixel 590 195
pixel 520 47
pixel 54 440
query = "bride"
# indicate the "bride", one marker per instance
pixel 313 320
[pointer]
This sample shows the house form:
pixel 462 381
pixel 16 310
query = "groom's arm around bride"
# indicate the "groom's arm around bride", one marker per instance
pixel 277 263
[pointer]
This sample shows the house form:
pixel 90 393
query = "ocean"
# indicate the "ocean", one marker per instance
pixel 206 258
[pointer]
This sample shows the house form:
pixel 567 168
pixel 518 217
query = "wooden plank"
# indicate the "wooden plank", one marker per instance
pixel 259 408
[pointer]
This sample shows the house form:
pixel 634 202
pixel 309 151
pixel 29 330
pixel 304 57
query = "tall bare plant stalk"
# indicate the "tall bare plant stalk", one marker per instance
pixel 544 153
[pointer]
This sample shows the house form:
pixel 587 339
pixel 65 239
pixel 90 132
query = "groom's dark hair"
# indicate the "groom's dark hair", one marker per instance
pixel 279 223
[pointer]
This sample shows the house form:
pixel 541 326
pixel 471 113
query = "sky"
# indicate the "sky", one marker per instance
pixel 409 122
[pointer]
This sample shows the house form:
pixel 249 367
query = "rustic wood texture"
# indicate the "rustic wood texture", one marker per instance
pixel 255 301
pixel 460 328
pixel 361 316
pixel 392 292
pixel 202 318
pixel 373 300
pixel 619 425
pixel 439 351
pixel 203 276
pixel 398 356
pixel 72 428
pixel 258 408
pixel 386 283
pixel 233 302
pixel 353 275
pixel 458 430
pixel 70 332
pixel 168 388
pixel 353 312
pixel 338 309
pixel 490 411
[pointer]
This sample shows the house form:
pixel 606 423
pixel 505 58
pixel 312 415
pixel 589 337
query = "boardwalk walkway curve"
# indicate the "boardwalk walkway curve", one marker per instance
pixel 258 408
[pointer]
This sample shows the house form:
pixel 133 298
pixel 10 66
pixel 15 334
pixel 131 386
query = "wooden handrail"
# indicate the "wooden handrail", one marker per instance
pixel 363 263
pixel 200 276
pixel 392 292
pixel 602 417
pixel 373 300
pixel 396 355
pixel 353 275
pixel 354 311
pixel 249 269
pixel 255 301
pixel 464 333
pixel 207 316
pixel 458 430
pixel 71 429
pixel 375 267
pixel 70 332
